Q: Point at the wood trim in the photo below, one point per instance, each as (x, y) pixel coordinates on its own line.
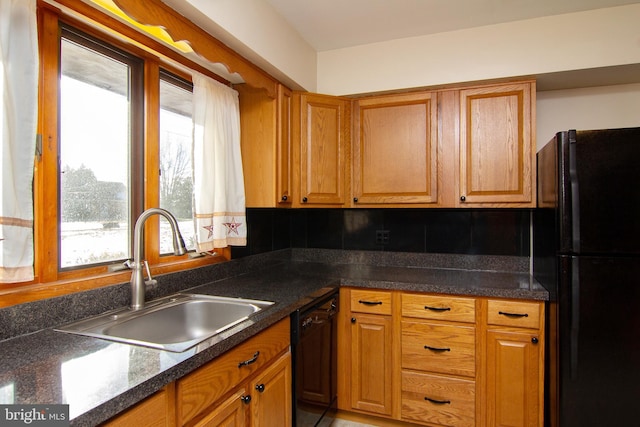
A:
(344, 350)
(24, 293)
(155, 12)
(151, 158)
(46, 213)
(284, 141)
(448, 148)
(396, 355)
(481, 362)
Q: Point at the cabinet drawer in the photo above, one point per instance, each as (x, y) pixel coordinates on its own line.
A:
(433, 307)
(203, 387)
(438, 399)
(439, 348)
(519, 314)
(374, 302)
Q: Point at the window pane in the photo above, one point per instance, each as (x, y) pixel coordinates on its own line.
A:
(176, 185)
(94, 157)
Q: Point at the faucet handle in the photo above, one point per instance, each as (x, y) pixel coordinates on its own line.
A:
(151, 281)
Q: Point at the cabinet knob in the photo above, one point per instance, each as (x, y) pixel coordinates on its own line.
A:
(246, 399)
(534, 340)
(355, 200)
(353, 320)
(284, 198)
(463, 198)
(260, 388)
(304, 200)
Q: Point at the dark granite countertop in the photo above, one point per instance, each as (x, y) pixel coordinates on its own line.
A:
(99, 378)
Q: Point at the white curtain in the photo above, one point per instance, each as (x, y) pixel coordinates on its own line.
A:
(219, 202)
(19, 109)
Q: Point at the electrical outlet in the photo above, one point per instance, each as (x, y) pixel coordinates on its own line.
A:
(382, 237)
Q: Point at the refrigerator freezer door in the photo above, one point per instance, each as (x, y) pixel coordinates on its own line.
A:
(600, 192)
(598, 357)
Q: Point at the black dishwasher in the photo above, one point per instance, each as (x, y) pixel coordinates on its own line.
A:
(314, 345)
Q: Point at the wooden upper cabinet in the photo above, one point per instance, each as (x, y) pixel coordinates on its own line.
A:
(323, 132)
(458, 147)
(395, 155)
(258, 145)
(265, 138)
(497, 145)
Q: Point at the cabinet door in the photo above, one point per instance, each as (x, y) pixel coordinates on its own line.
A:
(513, 379)
(496, 145)
(371, 360)
(324, 146)
(283, 165)
(271, 403)
(230, 413)
(395, 150)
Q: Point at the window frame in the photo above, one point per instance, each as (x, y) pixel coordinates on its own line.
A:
(136, 129)
(49, 280)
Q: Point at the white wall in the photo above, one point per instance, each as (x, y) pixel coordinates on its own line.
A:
(256, 31)
(602, 107)
(596, 38)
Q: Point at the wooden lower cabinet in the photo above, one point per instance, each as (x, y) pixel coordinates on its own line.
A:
(199, 392)
(264, 402)
(156, 410)
(441, 360)
(250, 385)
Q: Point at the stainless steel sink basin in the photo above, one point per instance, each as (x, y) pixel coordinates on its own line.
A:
(174, 323)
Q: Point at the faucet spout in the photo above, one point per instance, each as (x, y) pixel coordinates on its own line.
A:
(137, 279)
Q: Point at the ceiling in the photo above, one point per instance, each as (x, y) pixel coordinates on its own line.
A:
(334, 24)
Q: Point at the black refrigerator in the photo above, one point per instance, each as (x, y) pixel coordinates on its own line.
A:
(586, 252)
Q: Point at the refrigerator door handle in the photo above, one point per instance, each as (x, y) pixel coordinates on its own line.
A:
(575, 317)
(575, 192)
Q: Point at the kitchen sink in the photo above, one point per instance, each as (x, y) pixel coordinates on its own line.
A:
(175, 323)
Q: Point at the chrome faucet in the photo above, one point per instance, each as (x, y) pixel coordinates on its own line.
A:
(137, 279)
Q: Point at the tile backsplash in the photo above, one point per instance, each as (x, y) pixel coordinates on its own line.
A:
(451, 231)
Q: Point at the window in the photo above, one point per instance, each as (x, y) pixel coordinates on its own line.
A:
(98, 131)
(176, 137)
(116, 131)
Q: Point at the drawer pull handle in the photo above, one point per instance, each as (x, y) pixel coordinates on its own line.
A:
(260, 388)
(504, 313)
(245, 399)
(426, 307)
(437, 349)
(250, 361)
(370, 302)
(437, 402)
